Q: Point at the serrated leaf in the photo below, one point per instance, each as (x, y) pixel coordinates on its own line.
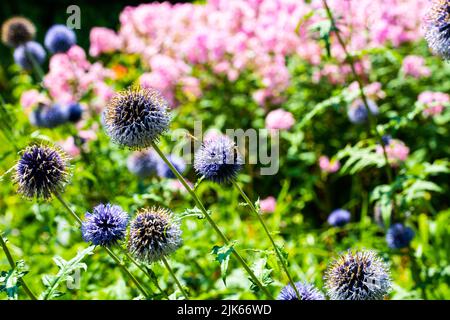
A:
(262, 271)
(222, 254)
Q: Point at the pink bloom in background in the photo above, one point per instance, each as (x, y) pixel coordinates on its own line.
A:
(279, 119)
(268, 204)
(32, 98)
(69, 147)
(435, 102)
(103, 40)
(415, 66)
(373, 91)
(176, 185)
(396, 151)
(329, 166)
(191, 87)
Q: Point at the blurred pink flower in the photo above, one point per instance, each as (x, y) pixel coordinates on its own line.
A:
(69, 147)
(415, 66)
(372, 91)
(434, 102)
(32, 98)
(396, 151)
(329, 166)
(268, 204)
(103, 40)
(279, 119)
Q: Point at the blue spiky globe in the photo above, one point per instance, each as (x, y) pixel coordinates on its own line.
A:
(359, 275)
(143, 163)
(399, 236)
(307, 292)
(357, 112)
(25, 53)
(437, 28)
(136, 118)
(105, 226)
(41, 171)
(59, 39)
(153, 234)
(218, 160)
(339, 218)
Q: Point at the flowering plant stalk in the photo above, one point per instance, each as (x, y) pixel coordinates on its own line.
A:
(11, 263)
(210, 220)
(266, 230)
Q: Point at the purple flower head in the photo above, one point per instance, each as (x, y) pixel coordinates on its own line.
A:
(218, 160)
(437, 28)
(399, 236)
(17, 31)
(59, 39)
(105, 226)
(339, 218)
(74, 112)
(306, 291)
(24, 54)
(357, 112)
(143, 163)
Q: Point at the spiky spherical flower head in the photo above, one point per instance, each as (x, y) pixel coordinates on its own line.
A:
(153, 234)
(359, 275)
(105, 226)
(218, 160)
(339, 218)
(437, 28)
(17, 31)
(74, 112)
(357, 112)
(399, 236)
(25, 53)
(164, 170)
(143, 163)
(307, 292)
(59, 39)
(136, 117)
(52, 116)
(42, 171)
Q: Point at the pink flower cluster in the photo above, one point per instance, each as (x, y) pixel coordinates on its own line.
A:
(329, 166)
(279, 119)
(434, 102)
(71, 76)
(31, 98)
(268, 205)
(231, 36)
(396, 151)
(415, 66)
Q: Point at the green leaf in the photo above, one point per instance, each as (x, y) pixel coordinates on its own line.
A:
(10, 280)
(262, 271)
(223, 257)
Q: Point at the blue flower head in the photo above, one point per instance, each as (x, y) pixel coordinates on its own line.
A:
(359, 275)
(25, 53)
(357, 112)
(339, 218)
(218, 160)
(41, 171)
(164, 170)
(136, 118)
(74, 112)
(399, 236)
(437, 28)
(52, 116)
(105, 226)
(59, 39)
(153, 234)
(306, 291)
(143, 163)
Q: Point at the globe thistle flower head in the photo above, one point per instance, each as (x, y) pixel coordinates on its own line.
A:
(136, 117)
(41, 171)
(143, 163)
(218, 160)
(105, 226)
(153, 235)
(306, 291)
(437, 28)
(339, 218)
(23, 53)
(59, 39)
(386, 139)
(164, 170)
(52, 116)
(17, 31)
(399, 236)
(359, 275)
(74, 112)
(357, 112)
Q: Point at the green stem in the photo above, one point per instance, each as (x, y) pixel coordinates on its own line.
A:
(13, 265)
(36, 67)
(211, 221)
(112, 255)
(166, 264)
(277, 251)
(350, 59)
